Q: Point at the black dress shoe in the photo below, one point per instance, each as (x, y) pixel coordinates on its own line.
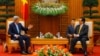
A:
(23, 52)
(85, 54)
(28, 52)
(72, 52)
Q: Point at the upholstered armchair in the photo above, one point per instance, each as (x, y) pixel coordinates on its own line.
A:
(11, 44)
(89, 43)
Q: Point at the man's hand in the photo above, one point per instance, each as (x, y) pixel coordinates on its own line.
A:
(16, 35)
(69, 35)
(30, 26)
(76, 35)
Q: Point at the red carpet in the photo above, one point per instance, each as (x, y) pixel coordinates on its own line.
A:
(96, 52)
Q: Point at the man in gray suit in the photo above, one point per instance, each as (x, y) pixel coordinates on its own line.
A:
(80, 34)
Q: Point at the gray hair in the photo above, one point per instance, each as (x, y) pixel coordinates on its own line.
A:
(16, 17)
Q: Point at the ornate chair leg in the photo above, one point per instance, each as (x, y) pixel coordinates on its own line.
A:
(90, 50)
(9, 49)
(4, 47)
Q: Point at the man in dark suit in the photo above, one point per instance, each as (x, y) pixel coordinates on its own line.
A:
(15, 29)
(70, 30)
(81, 34)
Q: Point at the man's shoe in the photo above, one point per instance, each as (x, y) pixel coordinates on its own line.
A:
(72, 52)
(23, 52)
(85, 54)
(28, 52)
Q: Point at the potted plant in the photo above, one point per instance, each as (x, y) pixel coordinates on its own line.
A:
(2, 26)
(7, 4)
(52, 51)
(97, 27)
(90, 4)
(48, 35)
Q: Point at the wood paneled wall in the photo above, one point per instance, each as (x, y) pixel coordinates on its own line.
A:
(75, 8)
(75, 11)
(18, 7)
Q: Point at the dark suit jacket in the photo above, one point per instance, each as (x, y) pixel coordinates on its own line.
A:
(83, 32)
(12, 30)
(70, 29)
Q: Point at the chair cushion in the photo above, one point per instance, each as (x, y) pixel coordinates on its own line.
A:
(87, 42)
(15, 41)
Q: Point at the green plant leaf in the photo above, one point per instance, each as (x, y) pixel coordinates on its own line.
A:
(95, 22)
(88, 11)
(97, 28)
(51, 9)
(2, 27)
(7, 15)
(92, 17)
(90, 3)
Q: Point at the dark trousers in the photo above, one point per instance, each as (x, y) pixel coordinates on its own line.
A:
(24, 46)
(83, 42)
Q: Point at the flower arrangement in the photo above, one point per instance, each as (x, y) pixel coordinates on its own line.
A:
(52, 9)
(48, 35)
(52, 51)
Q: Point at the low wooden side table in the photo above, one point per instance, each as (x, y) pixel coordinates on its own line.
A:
(62, 41)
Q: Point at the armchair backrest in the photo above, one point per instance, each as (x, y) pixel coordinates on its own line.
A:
(90, 25)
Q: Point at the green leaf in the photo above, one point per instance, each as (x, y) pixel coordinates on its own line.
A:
(90, 3)
(97, 28)
(92, 17)
(7, 2)
(88, 11)
(95, 22)
(10, 10)
(7, 15)
(2, 27)
(45, 9)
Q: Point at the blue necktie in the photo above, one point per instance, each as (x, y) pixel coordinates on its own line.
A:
(17, 28)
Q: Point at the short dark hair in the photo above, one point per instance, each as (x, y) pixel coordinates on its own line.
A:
(83, 19)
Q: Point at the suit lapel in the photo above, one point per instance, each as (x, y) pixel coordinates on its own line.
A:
(78, 29)
(82, 28)
(15, 27)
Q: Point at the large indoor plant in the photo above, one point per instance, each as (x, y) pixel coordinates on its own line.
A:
(90, 13)
(49, 8)
(7, 9)
(52, 51)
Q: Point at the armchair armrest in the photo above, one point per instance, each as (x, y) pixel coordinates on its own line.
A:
(28, 35)
(9, 35)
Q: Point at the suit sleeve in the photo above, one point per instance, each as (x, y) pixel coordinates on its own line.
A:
(76, 29)
(23, 28)
(67, 31)
(85, 31)
(10, 31)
